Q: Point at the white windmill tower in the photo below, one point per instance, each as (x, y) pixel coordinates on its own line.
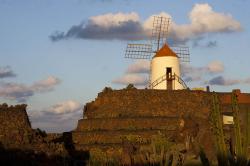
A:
(165, 61)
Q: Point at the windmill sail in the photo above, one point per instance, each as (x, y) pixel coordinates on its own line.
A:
(139, 51)
(158, 39)
(159, 31)
(182, 53)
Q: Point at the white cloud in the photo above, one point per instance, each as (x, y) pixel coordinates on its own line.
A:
(148, 24)
(128, 26)
(220, 80)
(135, 79)
(21, 92)
(15, 91)
(135, 74)
(191, 73)
(204, 20)
(122, 26)
(192, 78)
(6, 72)
(247, 81)
(46, 85)
(60, 117)
(65, 107)
(114, 20)
(140, 66)
(199, 42)
(215, 67)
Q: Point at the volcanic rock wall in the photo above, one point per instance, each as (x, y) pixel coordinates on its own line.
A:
(181, 115)
(116, 115)
(14, 124)
(119, 116)
(148, 103)
(16, 132)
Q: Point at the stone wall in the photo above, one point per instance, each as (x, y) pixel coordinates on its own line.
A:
(148, 103)
(16, 133)
(138, 123)
(118, 116)
(181, 115)
(14, 124)
(141, 114)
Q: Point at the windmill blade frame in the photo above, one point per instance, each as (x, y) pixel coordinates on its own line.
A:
(139, 51)
(159, 31)
(182, 52)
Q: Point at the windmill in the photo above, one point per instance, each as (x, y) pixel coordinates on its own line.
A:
(165, 61)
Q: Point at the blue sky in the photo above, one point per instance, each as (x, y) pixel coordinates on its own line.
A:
(56, 78)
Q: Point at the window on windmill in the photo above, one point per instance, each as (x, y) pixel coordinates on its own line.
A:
(228, 118)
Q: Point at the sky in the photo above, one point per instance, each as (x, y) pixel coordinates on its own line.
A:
(57, 55)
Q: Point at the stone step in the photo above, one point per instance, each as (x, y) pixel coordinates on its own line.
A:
(117, 136)
(132, 123)
(114, 146)
(144, 102)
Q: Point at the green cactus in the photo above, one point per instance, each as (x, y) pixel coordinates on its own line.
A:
(237, 131)
(240, 139)
(217, 124)
(248, 128)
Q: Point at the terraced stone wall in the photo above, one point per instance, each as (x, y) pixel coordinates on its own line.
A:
(148, 103)
(14, 124)
(181, 115)
(16, 133)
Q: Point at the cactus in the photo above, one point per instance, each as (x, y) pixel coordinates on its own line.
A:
(160, 152)
(217, 125)
(237, 131)
(240, 140)
(248, 128)
(239, 157)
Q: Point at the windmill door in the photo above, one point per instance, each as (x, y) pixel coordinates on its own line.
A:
(169, 78)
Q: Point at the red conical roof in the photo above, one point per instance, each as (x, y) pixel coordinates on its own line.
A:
(165, 51)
